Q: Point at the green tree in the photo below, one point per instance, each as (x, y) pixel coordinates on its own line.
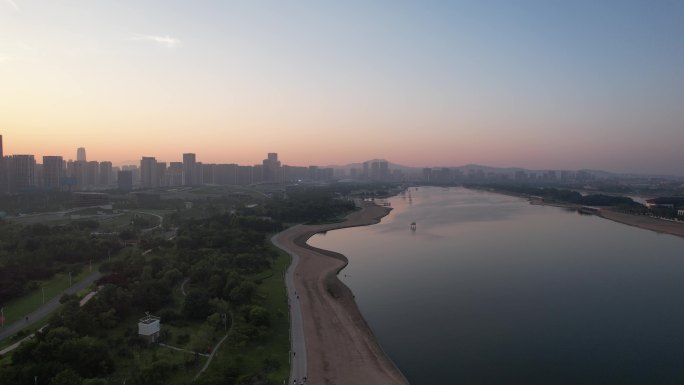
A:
(259, 316)
(242, 293)
(66, 377)
(88, 356)
(94, 381)
(196, 305)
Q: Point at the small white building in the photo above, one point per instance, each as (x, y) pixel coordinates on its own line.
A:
(149, 327)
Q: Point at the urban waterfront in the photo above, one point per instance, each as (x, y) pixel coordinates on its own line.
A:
(492, 290)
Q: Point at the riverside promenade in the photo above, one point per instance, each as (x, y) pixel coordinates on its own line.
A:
(332, 343)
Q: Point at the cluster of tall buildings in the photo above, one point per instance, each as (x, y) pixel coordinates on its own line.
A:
(474, 174)
(190, 172)
(23, 173)
(20, 173)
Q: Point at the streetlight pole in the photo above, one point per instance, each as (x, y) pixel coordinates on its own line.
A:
(42, 288)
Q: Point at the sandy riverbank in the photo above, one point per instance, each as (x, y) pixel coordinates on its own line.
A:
(640, 221)
(645, 222)
(341, 348)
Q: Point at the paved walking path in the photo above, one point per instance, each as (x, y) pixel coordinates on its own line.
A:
(46, 309)
(340, 346)
(297, 342)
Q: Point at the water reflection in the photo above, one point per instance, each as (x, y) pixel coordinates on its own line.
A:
(493, 290)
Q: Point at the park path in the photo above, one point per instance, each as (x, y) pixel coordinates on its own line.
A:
(326, 324)
(45, 310)
(183, 287)
(215, 349)
(182, 350)
(297, 341)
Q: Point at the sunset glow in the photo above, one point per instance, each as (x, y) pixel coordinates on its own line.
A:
(422, 84)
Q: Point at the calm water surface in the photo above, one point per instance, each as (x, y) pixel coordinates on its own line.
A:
(492, 290)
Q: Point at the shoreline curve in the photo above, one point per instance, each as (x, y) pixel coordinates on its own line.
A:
(340, 345)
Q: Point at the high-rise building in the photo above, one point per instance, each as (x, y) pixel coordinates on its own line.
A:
(148, 172)
(21, 170)
(198, 175)
(81, 154)
(53, 172)
(162, 177)
(135, 171)
(257, 173)
(92, 173)
(295, 173)
(38, 175)
(271, 168)
(244, 175)
(189, 169)
(326, 174)
(427, 174)
(226, 174)
(77, 171)
(125, 180)
(3, 170)
(106, 175)
(313, 173)
(208, 173)
(175, 172)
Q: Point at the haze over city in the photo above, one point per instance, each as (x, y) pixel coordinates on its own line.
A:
(535, 84)
(341, 192)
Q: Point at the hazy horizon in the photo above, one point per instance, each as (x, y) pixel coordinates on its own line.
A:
(532, 84)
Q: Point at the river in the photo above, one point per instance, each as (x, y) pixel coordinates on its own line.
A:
(492, 290)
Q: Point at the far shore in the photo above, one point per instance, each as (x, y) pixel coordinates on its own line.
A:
(340, 346)
(641, 221)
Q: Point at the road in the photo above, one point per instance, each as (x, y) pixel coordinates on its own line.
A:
(46, 309)
(297, 342)
(159, 226)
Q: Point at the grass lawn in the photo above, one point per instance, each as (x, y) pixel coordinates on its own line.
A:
(115, 222)
(17, 308)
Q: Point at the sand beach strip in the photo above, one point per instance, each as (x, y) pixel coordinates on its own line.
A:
(645, 222)
(340, 346)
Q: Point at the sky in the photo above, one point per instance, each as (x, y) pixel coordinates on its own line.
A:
(545, 84)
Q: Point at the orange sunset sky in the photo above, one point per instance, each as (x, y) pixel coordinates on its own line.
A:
(420, 84)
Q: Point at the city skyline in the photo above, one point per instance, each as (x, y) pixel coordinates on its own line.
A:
(24, 173)
(180, 159)
(429, 84)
